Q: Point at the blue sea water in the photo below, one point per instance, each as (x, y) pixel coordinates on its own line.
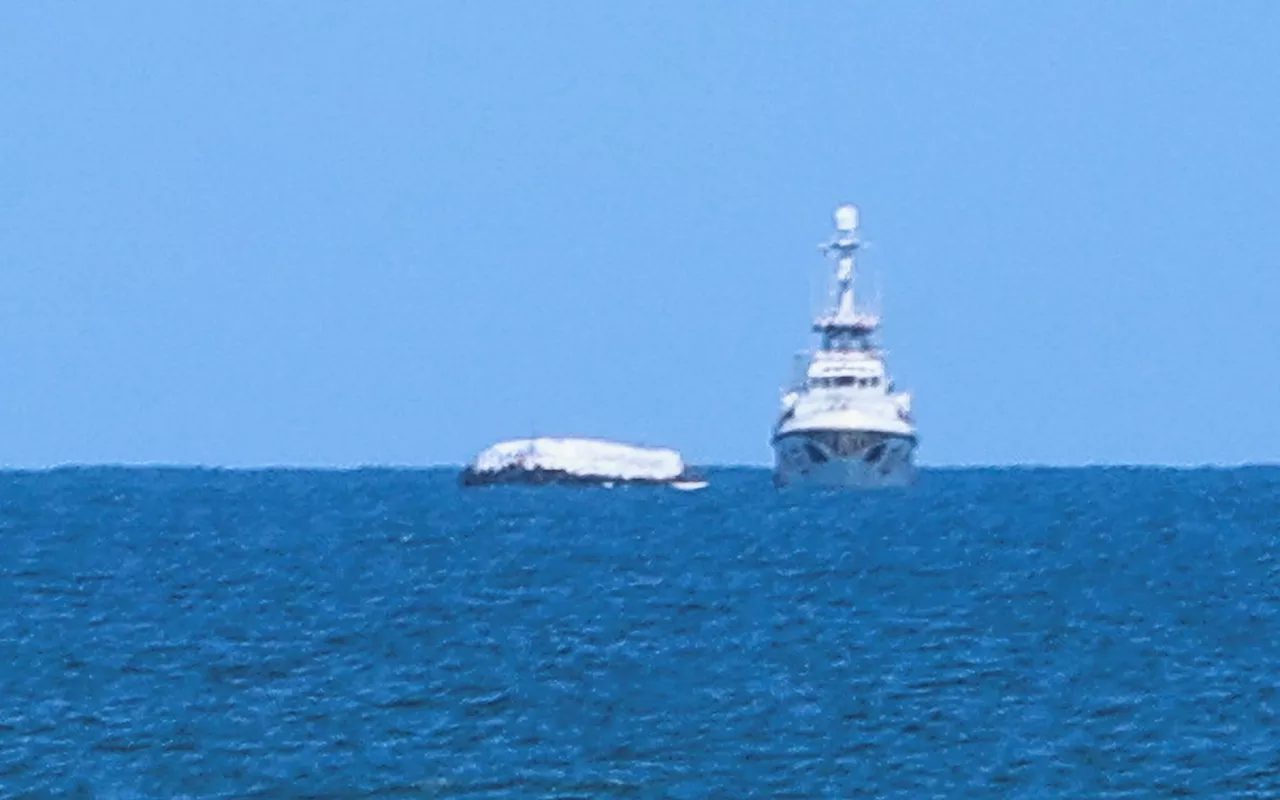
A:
(383, 633)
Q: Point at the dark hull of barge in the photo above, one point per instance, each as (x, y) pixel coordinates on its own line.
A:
(520, 476)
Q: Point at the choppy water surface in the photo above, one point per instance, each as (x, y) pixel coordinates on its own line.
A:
(1025, 633)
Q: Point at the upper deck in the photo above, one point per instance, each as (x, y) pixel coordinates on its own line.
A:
(857, 323)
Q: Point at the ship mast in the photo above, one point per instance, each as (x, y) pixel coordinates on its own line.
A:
(844, 326)
(843, 247)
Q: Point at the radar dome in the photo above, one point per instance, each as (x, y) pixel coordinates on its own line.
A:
(847, 218)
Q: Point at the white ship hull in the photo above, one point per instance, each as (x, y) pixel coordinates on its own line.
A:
(847, 460)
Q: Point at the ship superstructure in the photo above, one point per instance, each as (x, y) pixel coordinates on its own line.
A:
(842, 423)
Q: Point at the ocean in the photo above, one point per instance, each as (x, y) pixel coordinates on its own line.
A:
(1030, 633)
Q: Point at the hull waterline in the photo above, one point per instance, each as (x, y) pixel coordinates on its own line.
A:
(877, 461)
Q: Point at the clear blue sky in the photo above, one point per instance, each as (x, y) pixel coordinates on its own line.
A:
(391, 233)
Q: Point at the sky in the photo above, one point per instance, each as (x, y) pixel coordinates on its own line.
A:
(340, 234)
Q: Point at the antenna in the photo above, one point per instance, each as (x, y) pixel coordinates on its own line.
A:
(842, 248)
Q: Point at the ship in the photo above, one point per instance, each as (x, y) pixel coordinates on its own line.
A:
(843, 424)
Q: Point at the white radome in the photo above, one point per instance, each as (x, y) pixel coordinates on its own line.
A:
(846, 218)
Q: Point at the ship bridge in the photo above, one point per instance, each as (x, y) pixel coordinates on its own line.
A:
(846, 368)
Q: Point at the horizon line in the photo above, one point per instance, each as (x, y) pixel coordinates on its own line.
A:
(372, 466)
